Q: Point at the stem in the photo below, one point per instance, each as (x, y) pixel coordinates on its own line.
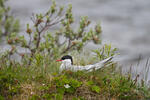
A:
(39, 37)
(68, 48)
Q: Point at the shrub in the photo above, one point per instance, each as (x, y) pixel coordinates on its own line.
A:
(42, 41)
(8, 24)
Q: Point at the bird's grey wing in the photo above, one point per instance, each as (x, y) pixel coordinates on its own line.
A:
(91, 67)
(81, 68)
(100, 64)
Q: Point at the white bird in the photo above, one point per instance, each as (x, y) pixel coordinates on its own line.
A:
(67, 64)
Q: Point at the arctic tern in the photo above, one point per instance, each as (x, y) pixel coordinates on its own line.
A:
(67, 64)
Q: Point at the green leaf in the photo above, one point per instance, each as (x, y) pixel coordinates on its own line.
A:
(75, 83)
(59, 97)
(95, 89)
(70, 90)
(1, 98)
(89, 83)
(61, 90)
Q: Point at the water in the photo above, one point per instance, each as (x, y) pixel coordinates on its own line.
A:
(125, 23)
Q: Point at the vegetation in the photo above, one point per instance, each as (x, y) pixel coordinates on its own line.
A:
(36, 83)
(44, 42)
(36, 76)
(8, 24)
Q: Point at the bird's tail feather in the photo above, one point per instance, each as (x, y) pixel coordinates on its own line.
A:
(107, 60)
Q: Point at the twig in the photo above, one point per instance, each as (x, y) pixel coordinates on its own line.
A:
(68, 48)
(29, 41)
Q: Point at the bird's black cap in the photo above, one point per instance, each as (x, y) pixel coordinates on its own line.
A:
(67, 57)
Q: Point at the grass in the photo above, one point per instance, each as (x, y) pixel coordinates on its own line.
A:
(43, 82)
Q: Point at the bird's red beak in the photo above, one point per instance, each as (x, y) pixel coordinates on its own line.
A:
(58, 60)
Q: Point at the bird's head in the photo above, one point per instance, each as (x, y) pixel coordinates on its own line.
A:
(66, 59)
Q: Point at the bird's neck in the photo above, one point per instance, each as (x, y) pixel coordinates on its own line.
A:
(65, 66)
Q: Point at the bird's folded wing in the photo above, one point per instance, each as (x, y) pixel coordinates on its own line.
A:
(100, 64)
(91, 67)
(81, 68)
